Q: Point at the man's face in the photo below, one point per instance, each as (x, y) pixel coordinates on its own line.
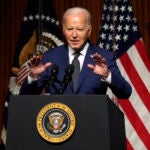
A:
(76, 30)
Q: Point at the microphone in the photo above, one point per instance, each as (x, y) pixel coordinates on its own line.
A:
(53, 76)
(67, 78)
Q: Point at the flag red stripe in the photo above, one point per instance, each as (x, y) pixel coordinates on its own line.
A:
(136, 80)
(141, 50)
(135, 121)
(23, 73)
(22, 76)
(129, 146)
(22, 70)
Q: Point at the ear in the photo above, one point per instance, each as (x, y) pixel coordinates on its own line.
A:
(63, 29)
(89, 30)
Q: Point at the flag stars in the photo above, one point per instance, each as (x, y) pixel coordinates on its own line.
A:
(129, 8)
(103, 36)
(114, 18)
(121, 18)
(117, 37)
(101, 45)
(135, 28)
(110, 8)
(134, 19)
(111, 27)
(110, 37)
(57, 23)
(52, 20)
(105, 7)
(119, 28)
(47, 18)
(30, 17)
(122, 8)
(125, 37)
(107, 46)
(128, 18)
(43, 17)
(105, 27)
(127, 28)
(25, 18)
(116, 8)
(115, 47)
(108, 17)
(37, 17)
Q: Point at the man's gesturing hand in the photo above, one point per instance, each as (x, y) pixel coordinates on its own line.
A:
(100, 66)
(36, 67)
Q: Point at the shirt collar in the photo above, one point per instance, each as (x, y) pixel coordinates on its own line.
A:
(83, 51)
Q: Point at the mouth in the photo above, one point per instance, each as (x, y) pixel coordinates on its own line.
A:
(73, 42)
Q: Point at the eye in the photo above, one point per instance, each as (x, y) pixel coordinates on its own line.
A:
(80, 30)
(69, 29)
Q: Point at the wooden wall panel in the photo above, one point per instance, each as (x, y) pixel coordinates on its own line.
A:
(141, 10)
(12, 11)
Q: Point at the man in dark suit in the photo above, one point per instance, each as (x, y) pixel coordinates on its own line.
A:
(98, 69)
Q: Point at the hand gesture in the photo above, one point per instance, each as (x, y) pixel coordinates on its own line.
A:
(100, 66)
(36, 66)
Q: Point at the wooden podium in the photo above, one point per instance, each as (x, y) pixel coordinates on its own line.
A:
(99, 123)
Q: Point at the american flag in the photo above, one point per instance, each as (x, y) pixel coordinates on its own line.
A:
(119, 33)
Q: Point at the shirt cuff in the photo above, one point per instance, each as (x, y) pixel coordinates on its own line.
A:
(108, 79)
(30, 79)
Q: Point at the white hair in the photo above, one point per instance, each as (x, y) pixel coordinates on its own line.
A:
(77, 10)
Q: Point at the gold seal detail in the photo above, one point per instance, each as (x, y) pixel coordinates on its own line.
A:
(55, 122)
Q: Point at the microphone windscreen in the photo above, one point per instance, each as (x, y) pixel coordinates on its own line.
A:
(55, 69)
(70, 69)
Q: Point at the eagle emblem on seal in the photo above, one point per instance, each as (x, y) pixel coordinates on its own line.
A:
(56, 122)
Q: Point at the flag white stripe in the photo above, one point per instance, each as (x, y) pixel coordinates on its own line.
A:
(139, 66)
(23, 77)
(22, 71)
(132, 136)
(136, 102)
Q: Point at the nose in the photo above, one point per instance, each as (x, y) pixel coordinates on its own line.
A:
(74, 33)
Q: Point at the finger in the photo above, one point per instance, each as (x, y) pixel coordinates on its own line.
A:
(32, 61)
(35, 61)
(103, 60)
(91, 66)
(99, 59)
(47, 64)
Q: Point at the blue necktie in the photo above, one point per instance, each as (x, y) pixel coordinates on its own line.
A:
(76, 72)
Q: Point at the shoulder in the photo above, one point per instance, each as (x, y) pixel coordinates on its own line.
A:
(56, 50)
(55, 54)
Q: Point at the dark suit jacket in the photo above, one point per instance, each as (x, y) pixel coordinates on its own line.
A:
(88, 83)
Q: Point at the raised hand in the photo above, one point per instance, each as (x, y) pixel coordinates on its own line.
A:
(36, 66)
(100, 66)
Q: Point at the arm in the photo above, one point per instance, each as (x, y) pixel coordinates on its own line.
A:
(110, 73)
(36, 68)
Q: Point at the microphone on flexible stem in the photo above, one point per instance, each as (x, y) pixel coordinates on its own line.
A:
(53, 77)
(67, 78)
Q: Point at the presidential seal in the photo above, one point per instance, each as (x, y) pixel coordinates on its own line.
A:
(55, 122)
